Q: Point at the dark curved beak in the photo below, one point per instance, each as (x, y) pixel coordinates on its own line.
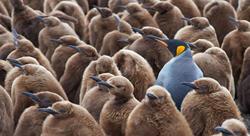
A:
(125, 41)
(99, 10)
(189, 84)
(151, 96)
(40, 18)
(48, 110)
(192, 46)
(96, 79)
(137, 30)
(155, 38)
(187, 19)
(223, 131)
(33, 97)
(104, 83)
(75, 48)
(233, 21)
(15, 62)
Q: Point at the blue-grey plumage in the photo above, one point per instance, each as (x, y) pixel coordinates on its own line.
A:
(179, 69)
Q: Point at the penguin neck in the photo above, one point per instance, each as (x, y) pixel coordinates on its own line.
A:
(186, 54)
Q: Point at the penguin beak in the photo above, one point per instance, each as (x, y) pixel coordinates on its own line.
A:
(17, 64)
(41, 18)
(124, 41)
(156, 38)
(137, 30)
(33, 97)
(104, 83)
(191, 85)
(187, 19)
(151, 96)
(100, 11)
(15, 37)
(48, 110)
(96, 79)
(224, 131)
(75, 48)
(233, 21)
(192, 46)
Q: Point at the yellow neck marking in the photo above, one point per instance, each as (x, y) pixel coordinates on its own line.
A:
(180, 49)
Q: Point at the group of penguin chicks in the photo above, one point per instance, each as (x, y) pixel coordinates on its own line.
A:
(124, 67)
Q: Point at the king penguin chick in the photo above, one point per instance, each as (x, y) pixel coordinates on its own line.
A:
(200, 28)
(5, 67)
(35, 78)
(31, 120)
(232, 127)
(138, 16)
(137, 70)
(63, 52)
(168, 17)
(104, 64)
(157, 116)
(172, 74)
(215, 63)
(243, 87)
(75, 66)
(54, 29)
(15, 72)
(117, 39)
(97, 96)
(68, 119)
(156, 53)
(100, 25)
(74, 10)
(235, 43)
(243, 10)
(115, 112)
(207, 106)
(25, 47)
(201, 45)
(6, 114)
(225, 10)
(25, 22)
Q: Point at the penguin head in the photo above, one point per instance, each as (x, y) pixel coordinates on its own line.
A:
(176, 47)
(101, 79)
(49, 21)
(232, 127)
(104, 12)
(62, 109)
(241, 25)
(120, 87)
(163, 7)
(67, 40)
(133, 8)
(157, 96)
(204, 85)
(86, 51)
(105, 64)
(43, 99)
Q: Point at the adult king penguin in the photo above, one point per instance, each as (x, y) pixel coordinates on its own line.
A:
(181, 68)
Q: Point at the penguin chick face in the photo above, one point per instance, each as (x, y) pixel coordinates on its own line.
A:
(157, 95)
(121, 87)
(163, 7)
(104, 12)
(206, 86)
(69, 40)
(232, 127)
(199, 22)
(50, 21)
(86, 51)
(62, 109)
(105, 64)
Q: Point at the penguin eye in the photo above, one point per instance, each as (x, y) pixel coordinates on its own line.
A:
(180, 49)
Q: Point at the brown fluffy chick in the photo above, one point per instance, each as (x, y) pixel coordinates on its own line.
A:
(115, 112)
(232, 127)
(63, 52)
(155, 52)
(75, 66)
(34, 78)
(138, 16)
(157, 115)
(25, 48)
(103, 64)
(235, 43)
(97, 96)
(137, 70)
(207, 106)
(199, 28)
(54, 29)
(68, 119)
(6, 114)
(31, 120)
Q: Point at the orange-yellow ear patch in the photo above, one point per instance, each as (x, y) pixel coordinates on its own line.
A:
(180, 49)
